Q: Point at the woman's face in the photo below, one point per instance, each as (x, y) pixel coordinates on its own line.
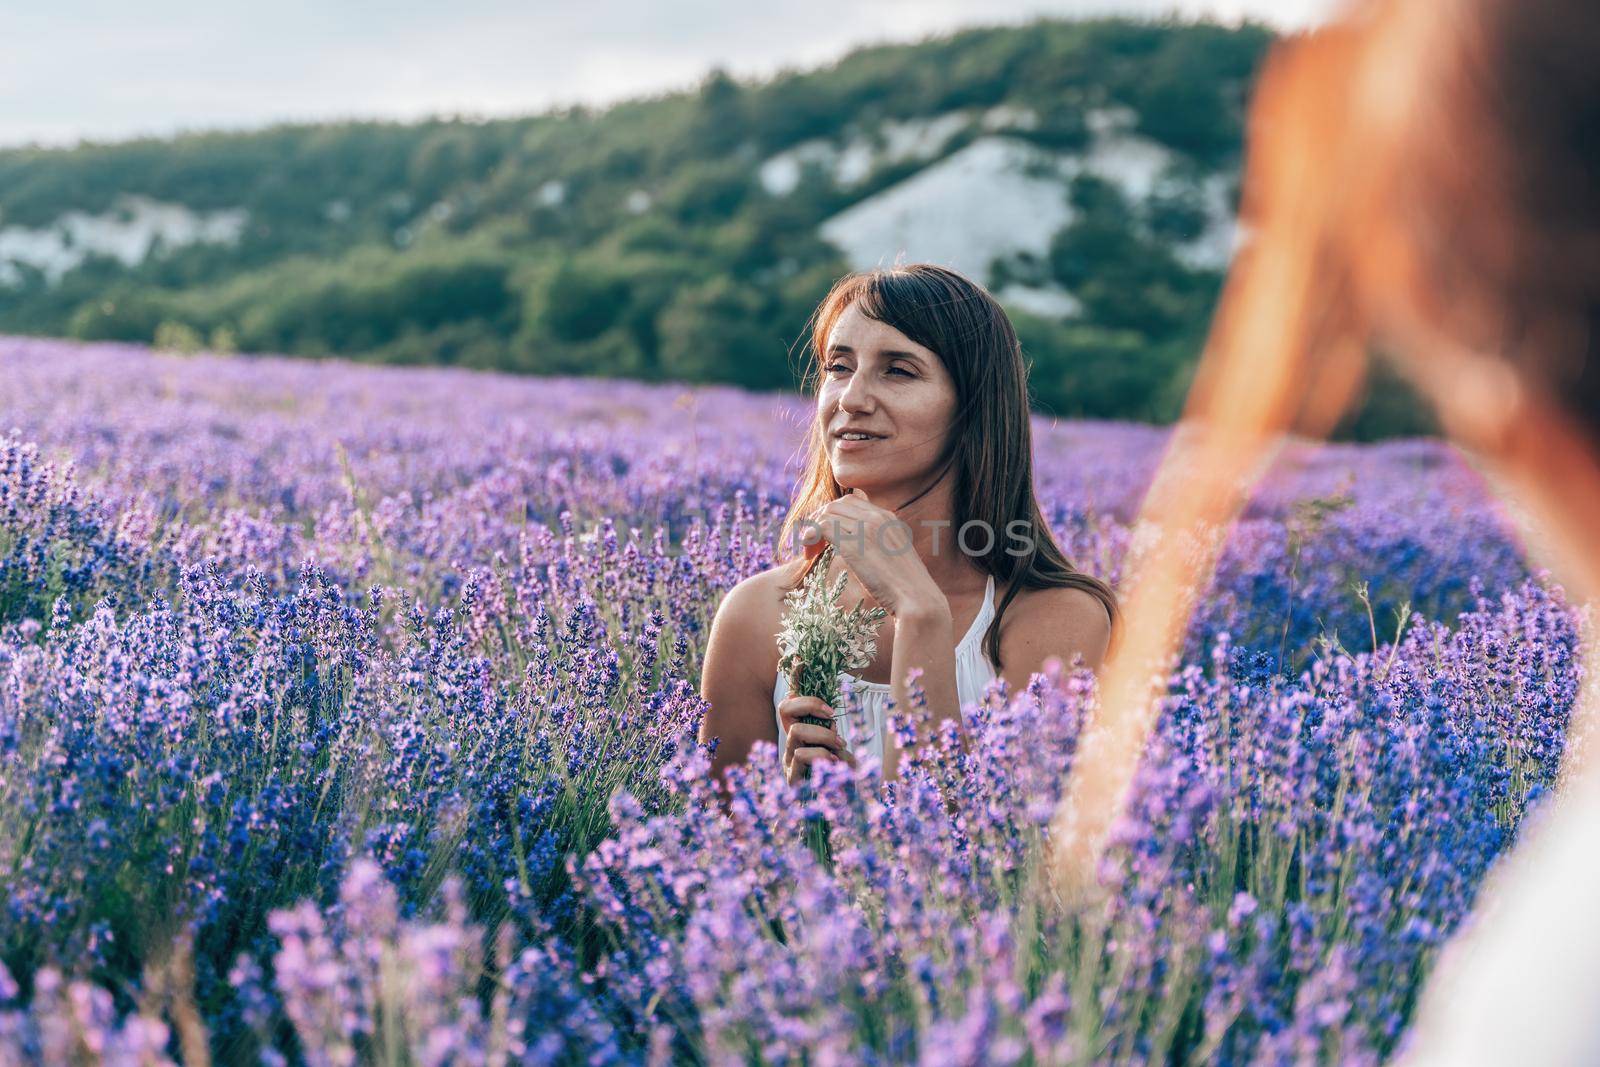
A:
(878, 381)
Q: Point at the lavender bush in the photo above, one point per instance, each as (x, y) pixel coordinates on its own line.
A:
(370, 694)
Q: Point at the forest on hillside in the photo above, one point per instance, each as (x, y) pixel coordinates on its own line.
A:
(639, 241)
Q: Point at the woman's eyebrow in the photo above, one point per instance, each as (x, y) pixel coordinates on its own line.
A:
(887, 353)
(895, 353)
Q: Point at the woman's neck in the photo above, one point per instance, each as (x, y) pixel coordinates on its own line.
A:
(935, 537)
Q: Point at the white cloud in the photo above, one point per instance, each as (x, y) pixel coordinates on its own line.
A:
(91, 68)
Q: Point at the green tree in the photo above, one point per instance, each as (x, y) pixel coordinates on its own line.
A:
(723, 330)
(580, 302)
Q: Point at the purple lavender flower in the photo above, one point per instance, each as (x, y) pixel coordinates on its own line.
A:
(389, 707)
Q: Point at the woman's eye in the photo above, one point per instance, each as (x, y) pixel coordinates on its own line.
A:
(845, 367)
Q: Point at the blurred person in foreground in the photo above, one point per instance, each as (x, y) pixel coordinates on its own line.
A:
(1421, 182)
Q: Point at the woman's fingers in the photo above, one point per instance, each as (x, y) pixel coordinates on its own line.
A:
(795, 770)
(807, 742)
(835, 521)
(803, 734)
(798, 761)
(791, 709)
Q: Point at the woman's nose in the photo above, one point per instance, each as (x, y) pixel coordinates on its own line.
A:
(857, 395)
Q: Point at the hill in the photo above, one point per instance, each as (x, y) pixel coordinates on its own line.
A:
(1086, 171)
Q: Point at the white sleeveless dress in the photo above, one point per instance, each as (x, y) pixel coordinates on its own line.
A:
(867, 733)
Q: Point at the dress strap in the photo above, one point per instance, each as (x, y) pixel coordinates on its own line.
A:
(980, 622)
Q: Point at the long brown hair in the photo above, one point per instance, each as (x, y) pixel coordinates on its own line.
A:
(989, 448)
(1420, 182)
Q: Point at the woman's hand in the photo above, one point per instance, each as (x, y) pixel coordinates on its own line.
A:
(875, 545)
(805, 743)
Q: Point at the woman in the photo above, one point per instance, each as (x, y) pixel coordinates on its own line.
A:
(1422, 179)
(920, 474)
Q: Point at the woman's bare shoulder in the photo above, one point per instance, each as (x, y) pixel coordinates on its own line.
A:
(738, 678)
(1059, 621)
(762, 593)
(751, 612)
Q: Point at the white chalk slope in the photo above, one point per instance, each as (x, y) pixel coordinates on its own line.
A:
(999, 197)
(128, 233)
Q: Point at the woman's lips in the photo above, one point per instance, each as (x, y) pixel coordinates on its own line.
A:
(846, 444)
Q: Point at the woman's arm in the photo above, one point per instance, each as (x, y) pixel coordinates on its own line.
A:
(740, 668)
(923, 638)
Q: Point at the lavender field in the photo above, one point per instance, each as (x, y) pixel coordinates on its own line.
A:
(348, 715)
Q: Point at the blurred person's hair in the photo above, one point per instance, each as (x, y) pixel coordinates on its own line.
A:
(989, 450)
(1428, 172)
(1420, 182)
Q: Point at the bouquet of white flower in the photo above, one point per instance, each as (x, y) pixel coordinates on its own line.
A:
(820, 639)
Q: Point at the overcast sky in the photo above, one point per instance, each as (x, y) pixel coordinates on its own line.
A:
(111, 69)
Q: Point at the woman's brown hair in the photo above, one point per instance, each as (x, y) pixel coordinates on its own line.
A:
(989, 449)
